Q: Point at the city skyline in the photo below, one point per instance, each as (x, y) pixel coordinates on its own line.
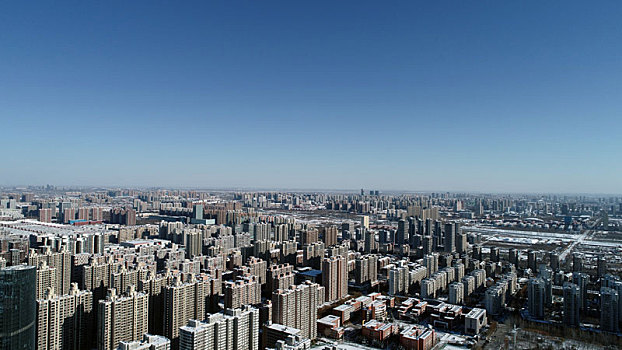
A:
(484, 97)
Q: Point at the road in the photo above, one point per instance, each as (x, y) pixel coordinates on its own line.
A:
(580, 240)
(588, 232)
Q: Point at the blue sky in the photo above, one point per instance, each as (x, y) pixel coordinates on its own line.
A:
(440, 95)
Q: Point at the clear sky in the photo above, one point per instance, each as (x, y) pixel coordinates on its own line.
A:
(437, 95)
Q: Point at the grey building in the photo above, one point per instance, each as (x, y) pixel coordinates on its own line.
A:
(17, 307)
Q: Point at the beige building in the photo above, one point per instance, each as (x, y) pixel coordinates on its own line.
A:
(65, 321)
(335, 277)
(296, 307)
(233, 329)
(122, 318)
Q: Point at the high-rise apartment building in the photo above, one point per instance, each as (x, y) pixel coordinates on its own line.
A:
(46, 279)
(45, 215)
(279, 276)
(183, 302)
(335, 277)
(366, 269)
(61, 261)
(456, 293)
(365, 222)
(609, 318)
(65, 321)
(123, 216)
(297, 307)
(149, 342)
(402, 235)
(233, 329)
(122, 318)
(245, 290)
(581, 280)
(572, 304)
(577, 262)
(399, 281)
(330, 235)
(449, 241)
(536, 297)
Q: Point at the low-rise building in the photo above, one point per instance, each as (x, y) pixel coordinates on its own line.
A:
(474, 321)
(418, 338)
(378, 331)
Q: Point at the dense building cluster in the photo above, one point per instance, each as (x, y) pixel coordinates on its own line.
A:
(171, 269)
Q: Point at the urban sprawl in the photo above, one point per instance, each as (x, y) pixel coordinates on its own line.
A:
(160, 269)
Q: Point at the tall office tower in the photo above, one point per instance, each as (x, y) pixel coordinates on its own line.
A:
(532, 260)
(536, 291)
(581, 280)
(572, 304)
(17, 307)
(197, 211)
(279, 276)
(330, 235)
(61, 261)
(577, 262)
(513, 256)
(450, 238)
(402, 235)
(366, 269)
(46, 278)
(233, 329)
(65, 321)
(609, 317)
(183, 302)
(456, 293)
(399, 281)
(297, 307)
(149, 342)
(121, 318)
(45, 215)
(430, 261)
(243, 291)
(601, 267)
(335, 277)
